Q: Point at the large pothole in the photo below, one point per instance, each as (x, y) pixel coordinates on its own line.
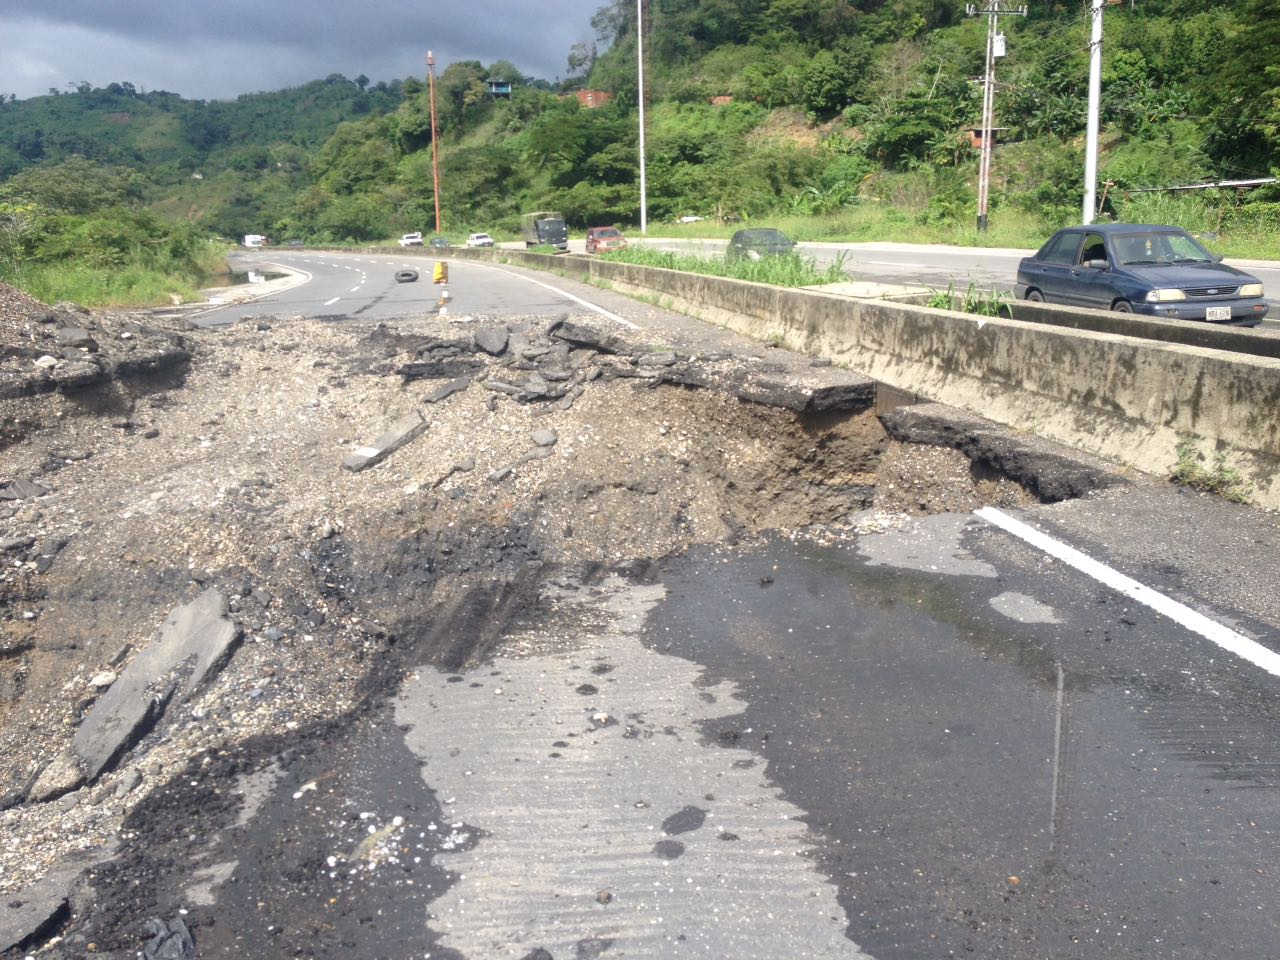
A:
(344, 582)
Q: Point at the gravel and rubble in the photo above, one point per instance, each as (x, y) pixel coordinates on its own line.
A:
(190, 462)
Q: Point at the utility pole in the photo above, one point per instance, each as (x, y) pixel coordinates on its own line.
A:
(1095, 97)
(435, 148)
(644, 199)
(993, 10)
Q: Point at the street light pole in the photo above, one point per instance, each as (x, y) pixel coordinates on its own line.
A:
(1091, 134)
(435, 149)
(644, 198)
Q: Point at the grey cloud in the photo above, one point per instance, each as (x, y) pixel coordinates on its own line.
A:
(209, 51)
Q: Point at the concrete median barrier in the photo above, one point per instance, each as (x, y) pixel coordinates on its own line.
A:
(1110, 391)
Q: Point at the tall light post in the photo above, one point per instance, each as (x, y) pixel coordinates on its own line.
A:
(644, 198)
(435, 149)
(644, 188)
(1091, 134)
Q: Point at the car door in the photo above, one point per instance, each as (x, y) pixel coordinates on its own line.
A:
(1050, 271)
(1093, 286)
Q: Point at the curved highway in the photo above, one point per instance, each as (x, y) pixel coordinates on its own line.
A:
(350, 285)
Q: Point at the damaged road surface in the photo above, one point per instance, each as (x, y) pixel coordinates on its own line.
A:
(545, 636)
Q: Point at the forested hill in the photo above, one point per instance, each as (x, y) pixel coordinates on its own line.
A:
(755, 107)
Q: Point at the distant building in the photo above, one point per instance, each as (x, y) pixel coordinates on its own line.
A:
(500, 88)
(593, 98)
(974, 136)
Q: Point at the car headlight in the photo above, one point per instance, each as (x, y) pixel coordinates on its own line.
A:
(1165, 295)
(1251, 290)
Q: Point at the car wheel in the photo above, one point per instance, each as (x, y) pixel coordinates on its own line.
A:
(1035, 296)
(1122, 306)
(406, 276)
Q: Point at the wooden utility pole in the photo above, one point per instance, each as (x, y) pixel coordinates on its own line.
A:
(435, 147)
(993, 10)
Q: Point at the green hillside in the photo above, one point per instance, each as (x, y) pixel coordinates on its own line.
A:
(838, 118)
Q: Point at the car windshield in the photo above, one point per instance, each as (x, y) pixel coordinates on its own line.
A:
(1136, 249)
(762, 236)
(608, 232)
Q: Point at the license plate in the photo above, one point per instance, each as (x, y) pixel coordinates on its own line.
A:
(1217, 313)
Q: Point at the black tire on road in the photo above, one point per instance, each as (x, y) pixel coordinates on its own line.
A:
(1122, 306)
(1035, 295)
(406, 276)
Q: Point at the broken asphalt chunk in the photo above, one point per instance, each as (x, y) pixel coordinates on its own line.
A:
(438, 369)
(447, 390)
(196, 639)
(36, 912)
(492, 340)
(583, 334)
(22, 489)
(170, 940)
(403, 431)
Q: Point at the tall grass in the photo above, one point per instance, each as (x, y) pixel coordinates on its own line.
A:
(781, 271)
(130, 285)
(98, 287)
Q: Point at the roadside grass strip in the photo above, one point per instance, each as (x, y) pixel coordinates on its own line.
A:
(1196, 622)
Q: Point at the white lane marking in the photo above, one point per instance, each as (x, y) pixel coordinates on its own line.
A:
(329, 303)
(565, 293)
(1179, 613)
(355, 288)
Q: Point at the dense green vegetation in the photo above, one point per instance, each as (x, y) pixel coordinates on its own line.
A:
(78, 231)
(835, 119)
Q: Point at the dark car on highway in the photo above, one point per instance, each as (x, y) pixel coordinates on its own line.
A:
(757, 242)
(1140, 268)
(438, 242)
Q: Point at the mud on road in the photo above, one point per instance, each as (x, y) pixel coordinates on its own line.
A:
(146, 464)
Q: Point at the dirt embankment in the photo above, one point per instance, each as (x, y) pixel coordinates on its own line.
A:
(142, 465)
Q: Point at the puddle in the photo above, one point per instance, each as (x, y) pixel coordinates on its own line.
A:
(237, 278)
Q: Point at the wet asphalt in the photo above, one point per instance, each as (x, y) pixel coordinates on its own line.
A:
(1072, 777)
(929, 743)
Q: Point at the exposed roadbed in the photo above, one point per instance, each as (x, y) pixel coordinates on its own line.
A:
(218, 544)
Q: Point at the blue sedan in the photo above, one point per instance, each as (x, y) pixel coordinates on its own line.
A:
(1138, 268)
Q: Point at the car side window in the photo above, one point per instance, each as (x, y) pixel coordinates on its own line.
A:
(1061, 249)
(1094, 248)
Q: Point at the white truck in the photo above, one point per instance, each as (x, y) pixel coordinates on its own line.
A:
(411, 240)
(254, 240)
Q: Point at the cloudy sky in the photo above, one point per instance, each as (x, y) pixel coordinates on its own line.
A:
(208, 51)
